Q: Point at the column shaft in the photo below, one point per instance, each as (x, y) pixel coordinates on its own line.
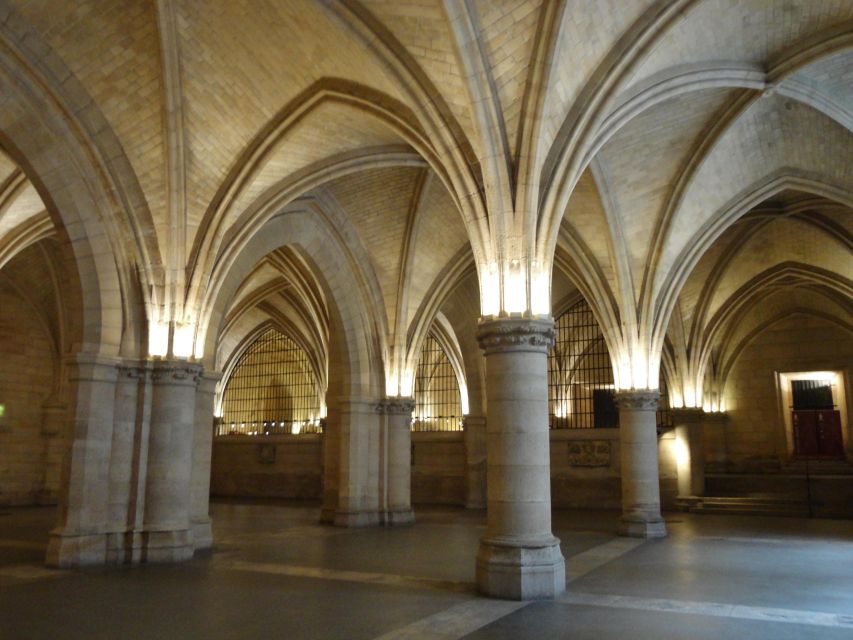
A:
(127, 477)
(398, 418)
(358, 463)
(79, 538)
(201, 459)
(168, 536)
(641, 516)
(519, 558)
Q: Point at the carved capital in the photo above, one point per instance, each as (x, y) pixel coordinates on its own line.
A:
(515, 334)
(133, 371)
(176, 372)
(396, 405)
(637, 400)
(687, 415)
(715, 417)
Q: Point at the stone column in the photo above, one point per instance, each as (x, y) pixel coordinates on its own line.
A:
(398, 430)
(127, 475)
(358, 463)
(641, 516)
(168, 536)
(475, 458)
(79, 538)
(201, 460)
(689, 453)
(519, 558)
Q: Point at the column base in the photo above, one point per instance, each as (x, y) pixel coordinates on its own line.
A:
(686, 503)
(354, 519)
(521, 570)
(124, 547)
(202, 534)
(399, 517)
(167, 546)
(642, 527)
(66, 551)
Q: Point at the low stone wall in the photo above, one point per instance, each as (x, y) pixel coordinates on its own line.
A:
(438, 468)
(269, 467)
(584, 468)
(828, 496)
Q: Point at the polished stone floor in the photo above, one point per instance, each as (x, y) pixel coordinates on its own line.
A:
(275, 573)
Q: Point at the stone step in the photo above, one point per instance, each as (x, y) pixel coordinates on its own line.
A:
(765, 506)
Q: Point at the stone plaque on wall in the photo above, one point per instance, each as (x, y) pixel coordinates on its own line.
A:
(589, 453)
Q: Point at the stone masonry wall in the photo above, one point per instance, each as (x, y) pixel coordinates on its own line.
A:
(26, 373)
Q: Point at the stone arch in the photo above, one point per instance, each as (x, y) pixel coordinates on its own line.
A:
(354, 345)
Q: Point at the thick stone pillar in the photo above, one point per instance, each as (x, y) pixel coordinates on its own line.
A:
(398, 473)
(689, 453)
(168, 534)
(358, 463)
(519, 558)
(201, 459)
(475, 459)
(638, 442)
(79, 538)
(128, 463)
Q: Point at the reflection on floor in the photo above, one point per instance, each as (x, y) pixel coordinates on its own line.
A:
(276, 573)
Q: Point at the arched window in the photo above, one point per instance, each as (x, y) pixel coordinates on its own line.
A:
(580, 375)
(272, 390)
(438, 403)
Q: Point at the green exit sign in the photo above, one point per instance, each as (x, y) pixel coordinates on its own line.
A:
(2, 410)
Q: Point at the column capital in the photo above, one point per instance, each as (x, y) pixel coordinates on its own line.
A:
(401, 405)
(637, 399)
(515, 334)
(473, 420)
(93, 367)
(134, 369)
(687, 415)
(176, 372)
(716, 417)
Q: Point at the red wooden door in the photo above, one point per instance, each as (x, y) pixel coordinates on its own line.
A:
(829, 439)
(805, 433)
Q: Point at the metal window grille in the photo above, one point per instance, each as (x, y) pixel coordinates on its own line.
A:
(272, 390)
(438, 405)
(580, 375)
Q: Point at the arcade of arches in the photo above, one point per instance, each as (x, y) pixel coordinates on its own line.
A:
(506, 255)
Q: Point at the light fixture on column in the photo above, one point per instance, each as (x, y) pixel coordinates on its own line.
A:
(158, 339)
(490, 289)
(515, 287)
(183, 340)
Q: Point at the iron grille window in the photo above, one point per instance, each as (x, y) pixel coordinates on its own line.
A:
(812, 395)
(438, 405)
(272, 390)
(580, 375)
